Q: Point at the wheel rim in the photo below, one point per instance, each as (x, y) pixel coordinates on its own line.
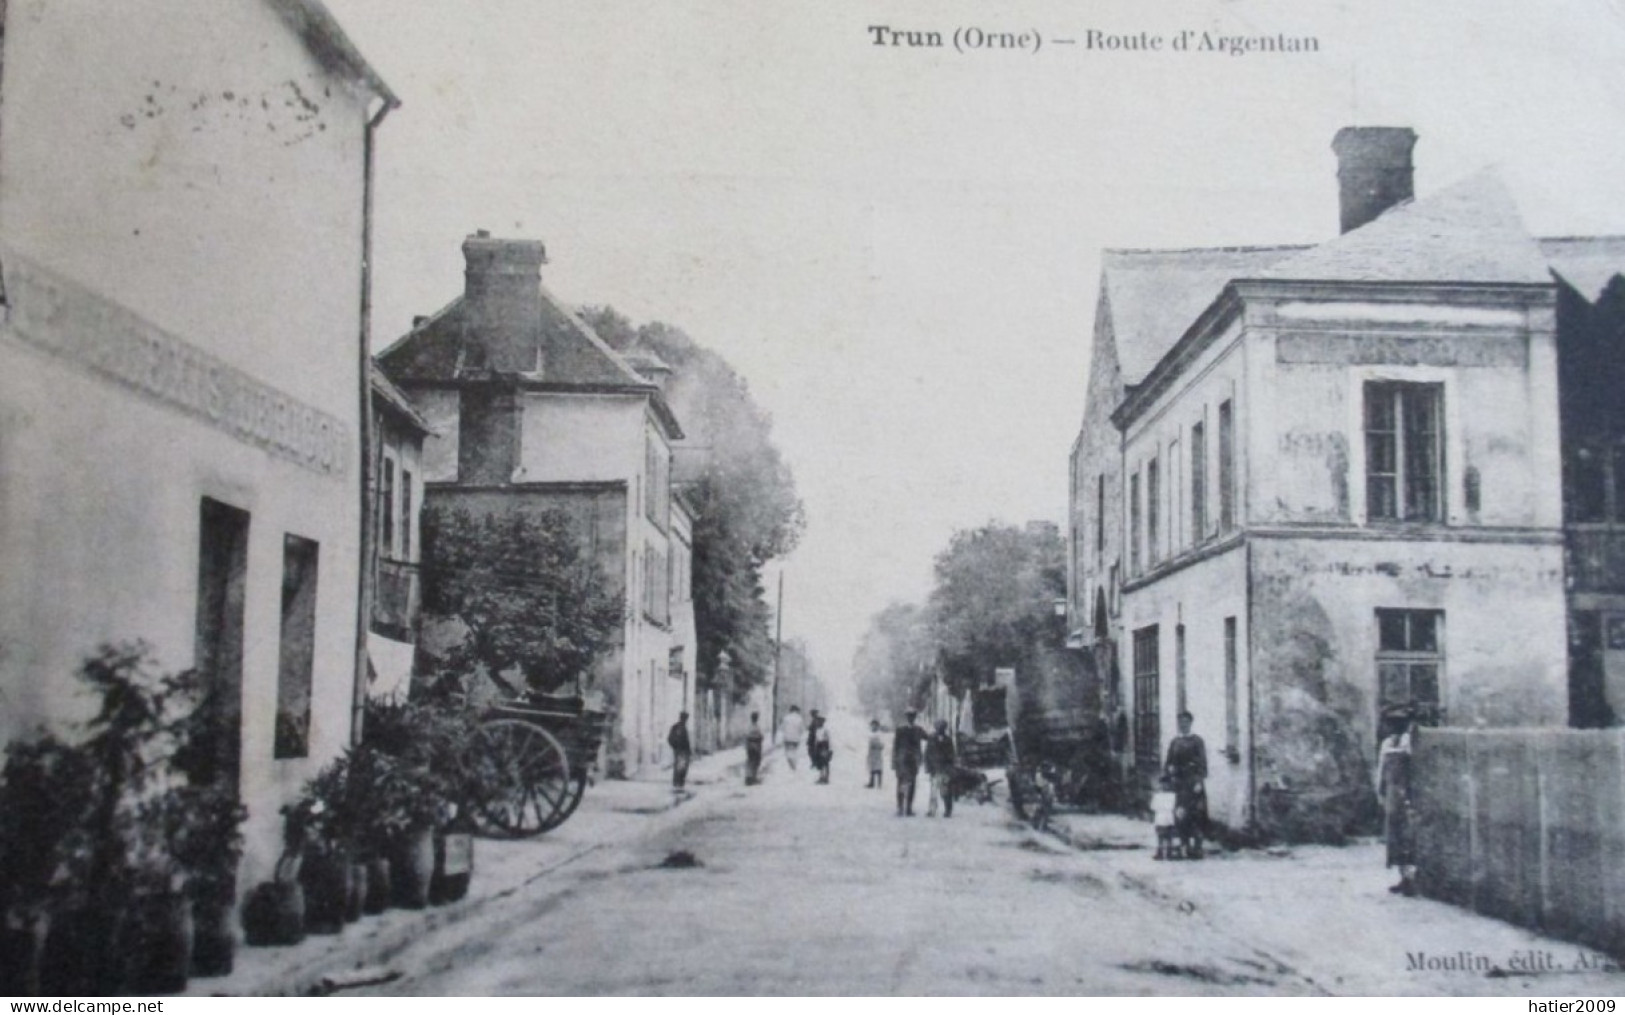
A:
(521, 778)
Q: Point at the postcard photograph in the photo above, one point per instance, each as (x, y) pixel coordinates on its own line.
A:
(522, 497)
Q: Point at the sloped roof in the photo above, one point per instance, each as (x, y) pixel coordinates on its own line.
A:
(1153, 296)
(325, 39)
(1588, 263)
(572, 353)
(1468, 232)
(395, 399)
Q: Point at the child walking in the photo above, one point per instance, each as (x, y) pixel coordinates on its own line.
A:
(1164, 816)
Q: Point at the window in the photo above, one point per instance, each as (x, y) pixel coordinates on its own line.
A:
(1227, 467)
(1404, 456)
(222, 581)
(1181, 699)
(1232, 706)
(1594, 484)
(386, 507)
(1151, 505)
(298, 648)
(406, 515)
(657, 488)
(1147, 700)
(1410, 656)
(1198, 483)
(1100, 517)
(1134, 524)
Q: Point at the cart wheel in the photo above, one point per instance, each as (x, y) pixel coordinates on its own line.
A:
(521, 779)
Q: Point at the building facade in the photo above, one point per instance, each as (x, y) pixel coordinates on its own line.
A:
(181, 366)
(395, 570)
(1339, 493)
(532, 412)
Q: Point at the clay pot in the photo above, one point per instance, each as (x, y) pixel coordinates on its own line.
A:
(376, 899)
(411, 868)
(158, 944)
(357, 896)
(214, 943)
(453, 867)
(326, 880)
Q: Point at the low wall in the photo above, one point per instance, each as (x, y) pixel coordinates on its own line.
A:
(1527, 826)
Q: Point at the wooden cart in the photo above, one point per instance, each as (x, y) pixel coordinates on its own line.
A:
(528, 764)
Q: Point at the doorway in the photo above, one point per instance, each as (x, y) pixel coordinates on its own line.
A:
(222, 582)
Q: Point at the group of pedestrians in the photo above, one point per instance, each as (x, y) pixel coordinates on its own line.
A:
(911, 748)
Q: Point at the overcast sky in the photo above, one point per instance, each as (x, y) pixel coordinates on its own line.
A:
(899, 247)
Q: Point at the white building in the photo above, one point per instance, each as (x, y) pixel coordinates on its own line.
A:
(183, 218)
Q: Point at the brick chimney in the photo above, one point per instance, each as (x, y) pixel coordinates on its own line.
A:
(1373, 171)
(502, 300)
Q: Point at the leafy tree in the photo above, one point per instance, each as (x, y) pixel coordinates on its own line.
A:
(893, 661)
(744, 496)
(994, 599)
(531, 601)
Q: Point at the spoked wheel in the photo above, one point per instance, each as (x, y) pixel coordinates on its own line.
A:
(522, 783)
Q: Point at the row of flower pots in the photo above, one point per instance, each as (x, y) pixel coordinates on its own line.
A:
(119, 848)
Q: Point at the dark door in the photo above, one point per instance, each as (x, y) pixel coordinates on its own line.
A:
(222, 578)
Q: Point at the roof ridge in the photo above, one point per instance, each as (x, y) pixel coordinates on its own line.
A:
(1231, 249)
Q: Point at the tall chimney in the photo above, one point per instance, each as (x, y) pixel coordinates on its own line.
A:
(1373, 171)
(502, 297)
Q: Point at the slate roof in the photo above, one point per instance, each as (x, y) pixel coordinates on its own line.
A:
(1154, 295)
(1468, 232)
(1588, 263)
(395, 399)
(573, 355)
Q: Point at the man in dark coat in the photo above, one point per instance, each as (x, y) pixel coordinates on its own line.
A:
(753, 750)
(907, 747)
(1186, 768)
(681, 750)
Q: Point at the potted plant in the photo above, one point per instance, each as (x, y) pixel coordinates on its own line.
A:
(45, 789)
(417, 790)
(319, 824)
(207, 841)
(372, 821)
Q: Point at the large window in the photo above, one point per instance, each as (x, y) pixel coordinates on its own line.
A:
(1152, 500)
(1198, 483)
(1410, 659)
(1232, 703)
(1227, 467)
(298, 648)
(1404, 454)
(386, 507)
(406, 514)
(1134, 524)
(1147, 700)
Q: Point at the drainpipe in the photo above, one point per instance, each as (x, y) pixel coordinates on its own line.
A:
(366, 548)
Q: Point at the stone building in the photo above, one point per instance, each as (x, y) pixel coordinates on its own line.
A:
(1330, 485)
(184, 215)
(1591, 376)
(533, 412)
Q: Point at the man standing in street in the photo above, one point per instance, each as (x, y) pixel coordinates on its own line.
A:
(790, 729)
(682, 751)
(939, 764)
(906, 748)
(753, 750)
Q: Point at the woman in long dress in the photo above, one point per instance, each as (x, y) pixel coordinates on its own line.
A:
(1394, 786)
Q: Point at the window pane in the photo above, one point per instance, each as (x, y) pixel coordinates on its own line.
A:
(1392, 686)
(1587, 496)
(1380, 497)
(1425, 684)
(1391, 631)
(1379, 407)
(1227, 465)
(1619, 483)
(1424, 631)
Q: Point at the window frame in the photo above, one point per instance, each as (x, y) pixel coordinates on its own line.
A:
(1198, 443)
(1400, 399)
(1411, 657)
(1147, 699)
